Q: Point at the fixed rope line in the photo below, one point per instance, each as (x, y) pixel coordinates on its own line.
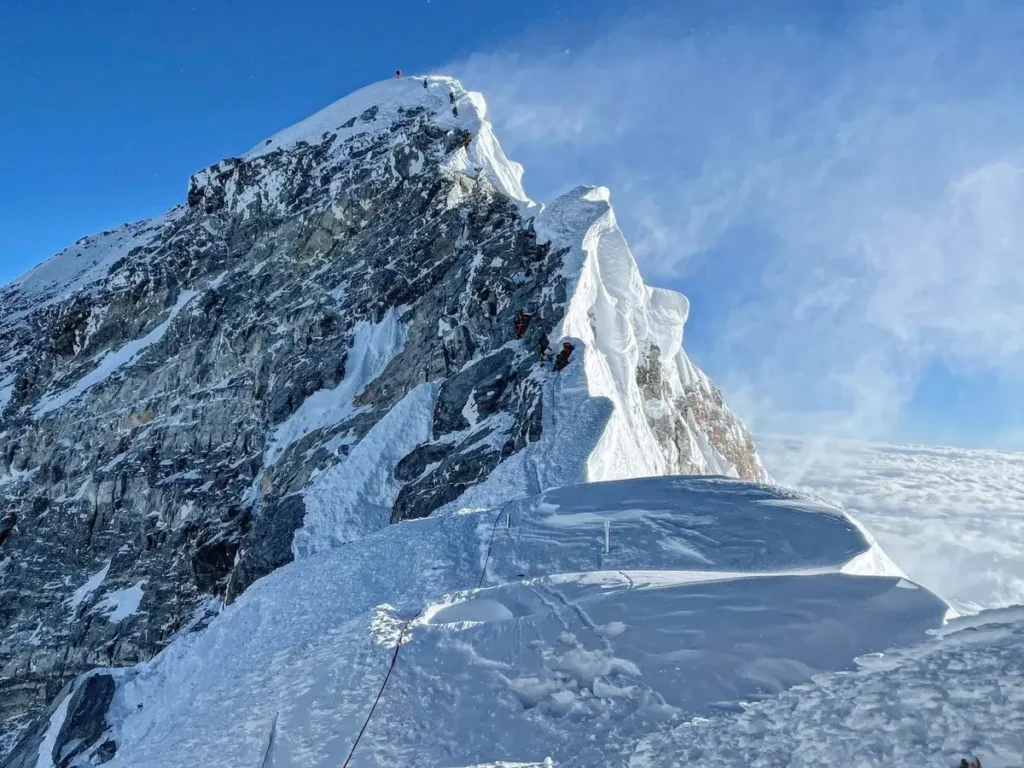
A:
(380, 693)
(405, 628)
(270, 741)
(490, 544)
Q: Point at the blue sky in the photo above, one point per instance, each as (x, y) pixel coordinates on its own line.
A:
(836, 186)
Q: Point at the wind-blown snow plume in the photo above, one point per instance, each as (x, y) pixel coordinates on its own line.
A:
(843, 198)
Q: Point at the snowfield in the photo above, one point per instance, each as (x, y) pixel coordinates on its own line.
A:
(961, 693)
(526, 639)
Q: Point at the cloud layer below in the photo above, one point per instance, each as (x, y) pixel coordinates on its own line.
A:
(840, 195)
(950, 518)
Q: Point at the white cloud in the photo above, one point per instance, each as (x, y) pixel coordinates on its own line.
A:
(862, 182)
(968, 501)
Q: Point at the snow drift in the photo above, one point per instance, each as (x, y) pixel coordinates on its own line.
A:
(712, 592)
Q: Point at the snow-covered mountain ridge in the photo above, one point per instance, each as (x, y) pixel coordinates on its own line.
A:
(316, 344)
(530, 632)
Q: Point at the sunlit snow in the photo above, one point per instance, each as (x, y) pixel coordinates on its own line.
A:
(118, 605)
(82, 594)
(565, 652)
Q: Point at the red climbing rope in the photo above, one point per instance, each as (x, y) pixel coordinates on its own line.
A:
(380, 693)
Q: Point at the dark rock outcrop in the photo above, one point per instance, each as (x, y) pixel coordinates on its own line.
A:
(162, 384)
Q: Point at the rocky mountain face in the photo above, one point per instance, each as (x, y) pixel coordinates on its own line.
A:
(318, 343)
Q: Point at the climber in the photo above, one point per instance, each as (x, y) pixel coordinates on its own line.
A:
(424, 83)
(398, 74)
(562, 359)
(543, 346)
(521, 321)
(455, 111)
(451, 97)
(467, 137)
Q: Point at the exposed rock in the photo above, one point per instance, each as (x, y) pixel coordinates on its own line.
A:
(174, 394)
(85, 723)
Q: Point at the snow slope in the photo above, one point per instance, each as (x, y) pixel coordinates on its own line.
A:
(355, 498)
(712, 592)
(81, 266)
(960, 693)
(952, 518)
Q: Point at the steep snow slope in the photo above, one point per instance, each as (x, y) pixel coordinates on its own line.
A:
(317, 344)
(80, 267)
(952, 518)
(959, 694)
(710, 593)
(634, 354)
(385, 103)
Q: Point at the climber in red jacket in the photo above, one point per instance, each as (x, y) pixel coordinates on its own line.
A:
(562, 358)
(521, 321)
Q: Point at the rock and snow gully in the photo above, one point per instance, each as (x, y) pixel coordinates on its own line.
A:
(209, 420)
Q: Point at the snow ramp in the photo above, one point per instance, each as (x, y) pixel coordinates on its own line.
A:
(704, 594)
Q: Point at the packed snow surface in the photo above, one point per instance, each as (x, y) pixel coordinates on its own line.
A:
(960, 693)
(952, 518)
(712, 592)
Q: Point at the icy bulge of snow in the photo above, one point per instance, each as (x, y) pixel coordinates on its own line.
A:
(707, 592)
